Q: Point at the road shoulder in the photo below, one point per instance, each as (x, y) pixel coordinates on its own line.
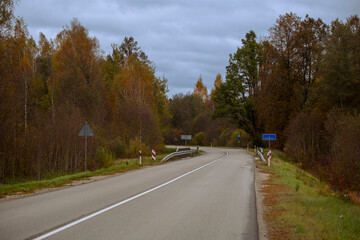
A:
(260, 179)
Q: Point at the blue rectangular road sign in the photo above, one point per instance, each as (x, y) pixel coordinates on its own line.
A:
(269, 137)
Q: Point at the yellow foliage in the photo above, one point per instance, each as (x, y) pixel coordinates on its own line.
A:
(200, 90)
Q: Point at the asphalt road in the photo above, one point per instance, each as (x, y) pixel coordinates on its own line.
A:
(208, 197)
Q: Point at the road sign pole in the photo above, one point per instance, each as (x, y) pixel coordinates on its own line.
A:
(86, 133)
(85, 150)
(186, 137)
(269, 137)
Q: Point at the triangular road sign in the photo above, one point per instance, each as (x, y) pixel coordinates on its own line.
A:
(86, 130)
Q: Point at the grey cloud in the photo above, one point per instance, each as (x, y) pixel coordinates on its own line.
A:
(184, 38)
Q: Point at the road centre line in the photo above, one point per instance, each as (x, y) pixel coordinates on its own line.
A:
(124, 201)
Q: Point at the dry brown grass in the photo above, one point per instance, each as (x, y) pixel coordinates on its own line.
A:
(277, 229)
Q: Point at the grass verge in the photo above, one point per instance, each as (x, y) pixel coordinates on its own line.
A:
(299, 206)
(120, 165)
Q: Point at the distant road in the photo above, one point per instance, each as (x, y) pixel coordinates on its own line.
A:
(207, 197)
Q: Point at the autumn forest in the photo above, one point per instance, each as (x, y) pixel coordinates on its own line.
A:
(302, 82)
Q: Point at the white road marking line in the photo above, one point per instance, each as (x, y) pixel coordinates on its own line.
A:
(122, 202)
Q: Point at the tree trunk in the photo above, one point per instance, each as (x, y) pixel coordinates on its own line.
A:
(52, 97)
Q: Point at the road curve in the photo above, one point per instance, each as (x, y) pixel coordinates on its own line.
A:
(207, 197)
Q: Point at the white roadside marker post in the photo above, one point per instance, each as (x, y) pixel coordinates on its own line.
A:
(153, 155)
(269, 157)
(140, 157)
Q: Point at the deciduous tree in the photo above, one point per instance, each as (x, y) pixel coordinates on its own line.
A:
(200, 90)
(235, 97)
(340, 80)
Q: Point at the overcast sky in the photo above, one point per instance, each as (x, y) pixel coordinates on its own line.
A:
(184, 38)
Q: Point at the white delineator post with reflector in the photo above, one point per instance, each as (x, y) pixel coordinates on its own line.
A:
(153, 155)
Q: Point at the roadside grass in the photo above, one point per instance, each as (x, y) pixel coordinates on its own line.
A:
(60, 180)
(299, 206)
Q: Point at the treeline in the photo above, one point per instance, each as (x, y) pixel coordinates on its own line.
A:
(50, 88)
(302, 83)
(192, 114)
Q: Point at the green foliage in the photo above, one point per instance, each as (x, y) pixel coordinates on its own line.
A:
(192, 114)
(230, 101)
(118, 147)
(330, 113)
(345, 152)
(291, 62)
(198, 139)
(134, 148)
(235, 97)
(50, 88)
(301, 83)
(304, 144)
(224, 137)
(115, 61)
(164, 150)
(339, 84)
(59, 180)
(105, 157)
(160, 98)
(327, 145)
(245, 139)
(307, 209)
(184, 109)
(243, 66)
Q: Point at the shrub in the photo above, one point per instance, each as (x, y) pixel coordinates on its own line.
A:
(160, 148)
(345, 152)
(244, 139)
(105, 157)
(304, 139)
(118, 148)
(328, 147)
(224, 137)
(198, 139)
(134, 148)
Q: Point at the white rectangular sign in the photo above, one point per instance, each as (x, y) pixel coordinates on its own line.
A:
(186, 137)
